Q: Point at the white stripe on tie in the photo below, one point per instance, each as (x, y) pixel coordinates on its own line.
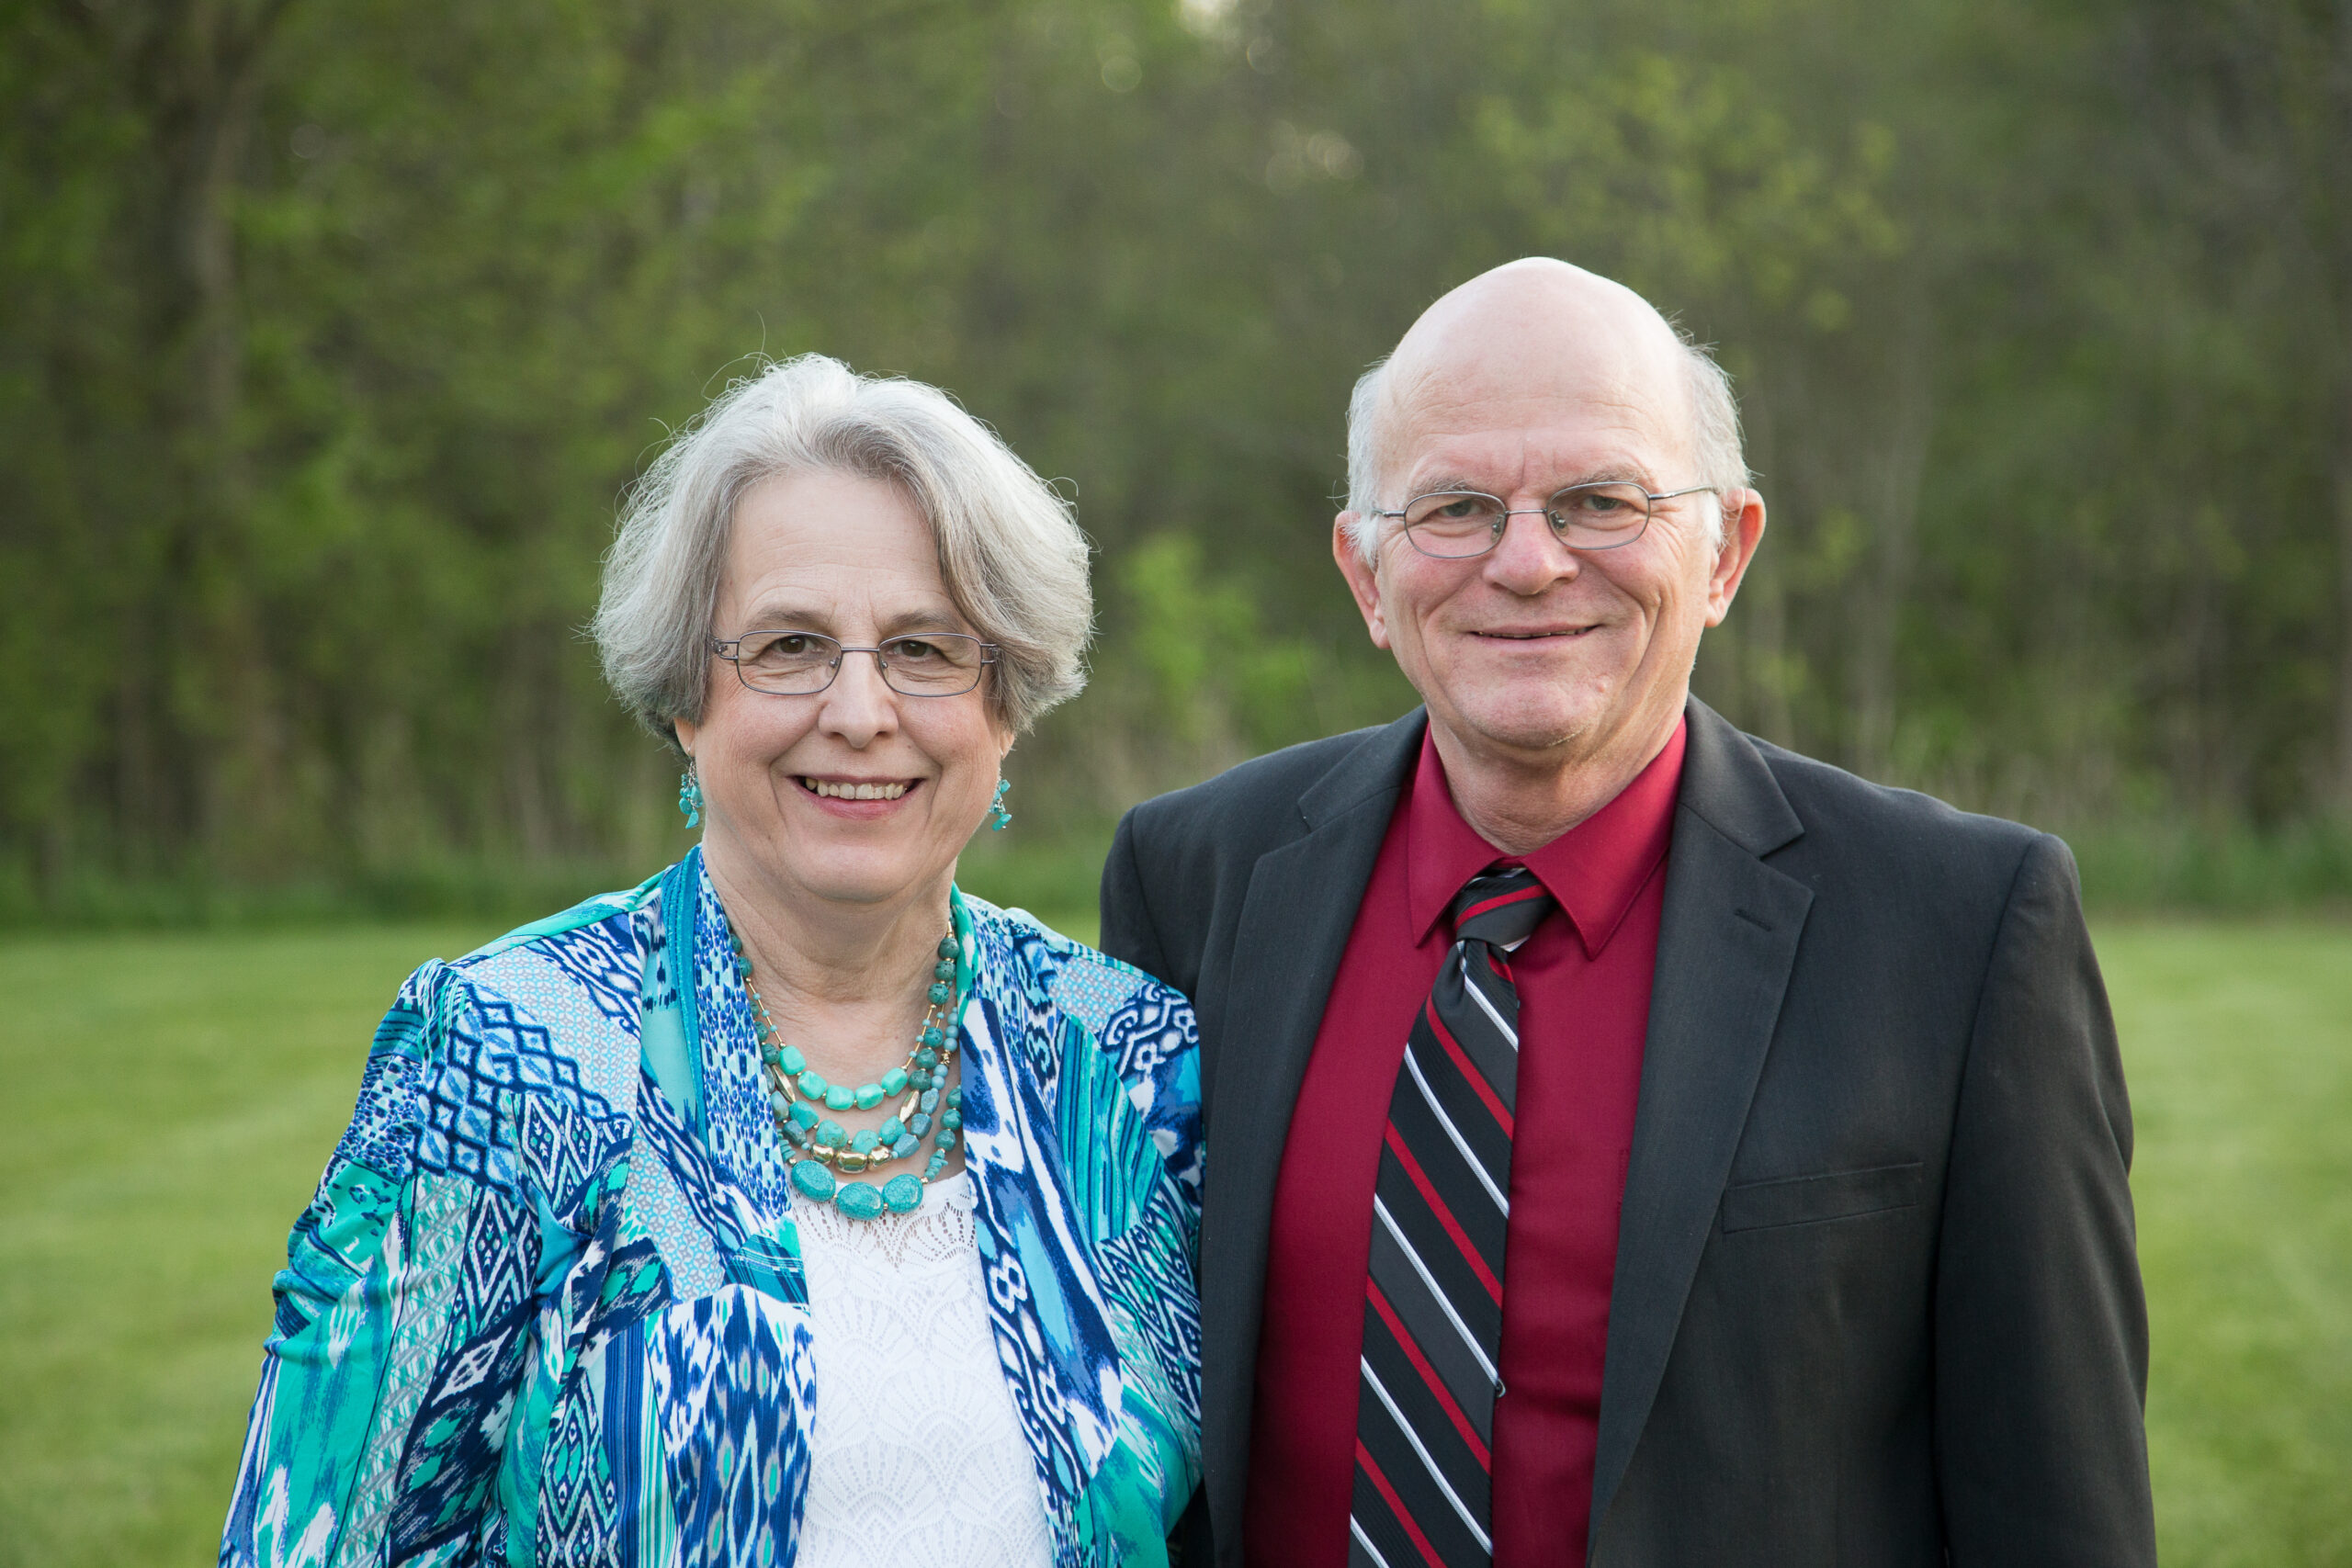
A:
(1447, 1122)
(1480, 997)
(1427, 1463)
(1414, 1259)
(1363, 1540)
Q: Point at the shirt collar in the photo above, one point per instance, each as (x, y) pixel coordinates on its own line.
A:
(1595, 869)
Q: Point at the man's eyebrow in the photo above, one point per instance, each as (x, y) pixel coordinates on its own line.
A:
(1600, 474)
(1444, 484)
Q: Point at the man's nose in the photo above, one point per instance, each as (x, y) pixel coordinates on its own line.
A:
(1530, 558)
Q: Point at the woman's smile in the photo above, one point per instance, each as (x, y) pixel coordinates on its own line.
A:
(860, 792)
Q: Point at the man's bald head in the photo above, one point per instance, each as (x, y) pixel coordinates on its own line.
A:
(1526, 321)
(1534, 328)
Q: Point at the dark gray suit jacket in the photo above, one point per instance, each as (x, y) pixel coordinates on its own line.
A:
(1876, 1299)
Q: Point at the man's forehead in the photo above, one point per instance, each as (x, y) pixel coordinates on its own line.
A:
(1483, 423)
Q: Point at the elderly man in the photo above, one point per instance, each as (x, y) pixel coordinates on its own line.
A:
(1628, 1141)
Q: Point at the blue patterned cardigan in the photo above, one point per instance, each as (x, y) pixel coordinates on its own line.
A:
(547, 1305)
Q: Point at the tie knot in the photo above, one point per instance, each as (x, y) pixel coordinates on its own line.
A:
(1501, 905)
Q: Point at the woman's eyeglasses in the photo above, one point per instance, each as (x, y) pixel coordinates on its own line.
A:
(800, 664)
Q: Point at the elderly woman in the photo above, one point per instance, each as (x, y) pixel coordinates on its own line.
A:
(796, 1207)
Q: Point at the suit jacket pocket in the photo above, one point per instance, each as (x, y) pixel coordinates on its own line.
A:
(1804, 1200)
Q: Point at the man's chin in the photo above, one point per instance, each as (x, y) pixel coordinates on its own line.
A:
(1540, 732)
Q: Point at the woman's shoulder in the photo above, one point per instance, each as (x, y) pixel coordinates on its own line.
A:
(559, 985)
(1082, 982)
(1117, 1042)
(604, 916)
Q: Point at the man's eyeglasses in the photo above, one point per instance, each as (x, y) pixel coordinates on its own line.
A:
(1453, 525)
(800, 664)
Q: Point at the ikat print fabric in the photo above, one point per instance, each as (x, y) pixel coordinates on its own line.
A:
(547, 1306)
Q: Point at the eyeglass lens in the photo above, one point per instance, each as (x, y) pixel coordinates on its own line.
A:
(1470, 523)
(791, 663)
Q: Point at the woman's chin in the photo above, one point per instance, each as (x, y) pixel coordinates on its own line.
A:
(870, 861)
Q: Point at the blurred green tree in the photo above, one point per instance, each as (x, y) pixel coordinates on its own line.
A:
(334, 335)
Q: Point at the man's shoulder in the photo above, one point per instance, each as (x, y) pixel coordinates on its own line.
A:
(1879, 829)
(1819, 790)
(1262, 793)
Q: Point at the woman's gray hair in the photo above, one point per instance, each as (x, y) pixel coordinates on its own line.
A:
(1714, 441)
(1011, 553)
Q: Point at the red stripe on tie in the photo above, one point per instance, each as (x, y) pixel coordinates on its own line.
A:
(1478, 1079)
(1396, 1507)
(1502, 900)
(1444, 1215)
(1429, 1375)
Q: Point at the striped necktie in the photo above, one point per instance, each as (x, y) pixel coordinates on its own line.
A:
(1433, 1296)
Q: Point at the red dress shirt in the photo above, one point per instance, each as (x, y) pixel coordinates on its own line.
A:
(1584, 990)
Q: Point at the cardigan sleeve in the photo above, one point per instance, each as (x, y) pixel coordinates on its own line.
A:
(403, 1313)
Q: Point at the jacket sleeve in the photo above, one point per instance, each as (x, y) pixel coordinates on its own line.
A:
(1129, 933)
(402, 1315)
(2041, 1333)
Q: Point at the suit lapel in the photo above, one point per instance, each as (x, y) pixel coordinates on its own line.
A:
(1726, 942)
(1294, 929)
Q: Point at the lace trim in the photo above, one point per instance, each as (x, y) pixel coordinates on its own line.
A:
(941, 1231)
(918, 1452)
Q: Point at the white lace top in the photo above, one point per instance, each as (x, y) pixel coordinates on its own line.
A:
(917, 1454)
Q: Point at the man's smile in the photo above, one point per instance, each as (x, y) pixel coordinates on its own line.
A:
(1544, 634)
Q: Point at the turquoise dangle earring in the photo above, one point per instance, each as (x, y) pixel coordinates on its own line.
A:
(690, 796)
(999, 817)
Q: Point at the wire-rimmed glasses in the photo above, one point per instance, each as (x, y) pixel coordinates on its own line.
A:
(1452, 525)
(800, 664)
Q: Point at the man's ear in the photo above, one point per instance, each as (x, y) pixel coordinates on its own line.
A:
(1364, 578)
(1743, 530)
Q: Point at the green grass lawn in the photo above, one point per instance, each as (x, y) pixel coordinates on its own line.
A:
(169, 1100)
(2238, 1041)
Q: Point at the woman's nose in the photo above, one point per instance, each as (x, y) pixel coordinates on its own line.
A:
(858, 705)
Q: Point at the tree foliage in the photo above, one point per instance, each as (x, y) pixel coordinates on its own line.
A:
(332, 336)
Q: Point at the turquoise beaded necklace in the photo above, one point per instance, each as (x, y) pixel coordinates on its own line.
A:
(816, 1146)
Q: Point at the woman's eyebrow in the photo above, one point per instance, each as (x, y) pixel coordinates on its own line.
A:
(789, 614)
(784, 615)
(931, 618)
